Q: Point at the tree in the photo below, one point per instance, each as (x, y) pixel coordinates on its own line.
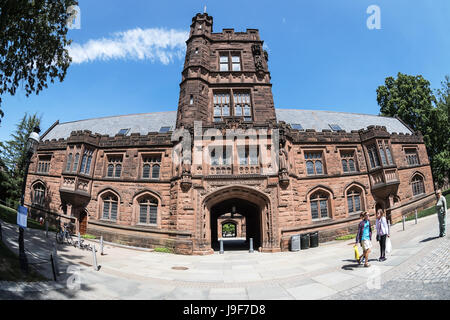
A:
(441, 159)
(13, 155)
(411, 99)
(33, 44)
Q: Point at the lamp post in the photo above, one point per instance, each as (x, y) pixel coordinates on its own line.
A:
(31, 147)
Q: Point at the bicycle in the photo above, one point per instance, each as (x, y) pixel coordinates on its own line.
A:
(64, 235)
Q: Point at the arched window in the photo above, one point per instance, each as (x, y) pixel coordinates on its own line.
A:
(319, 205)
(114, 169)
(86, 162)
(151, 165)
(345, 165)
(83, 162)
(110, 205)
(148, 210)
(417, 185)
(155, 171)
(351, 164)
(118, 170)
(146, 171)
(69, 162)
(38, 194)
(75, 162)
(110, 170)
(310, 167)
(319, 169)
(314, 164)
(354, 200)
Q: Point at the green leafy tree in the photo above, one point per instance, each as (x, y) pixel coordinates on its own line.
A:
(441, 158)
(229, 228)
(13, 156)
(33, 44)
(411, 99)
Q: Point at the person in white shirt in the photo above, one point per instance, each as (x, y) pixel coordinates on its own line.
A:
(441, 207)
(382, 232)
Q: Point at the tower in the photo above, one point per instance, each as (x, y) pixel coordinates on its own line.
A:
(225, 77)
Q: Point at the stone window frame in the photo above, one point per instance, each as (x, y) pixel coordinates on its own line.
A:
(109, 159)
(34, 187)
(136, 208)
(152, 164)
(229, 54)
(417, 185)
(101, 199)
(385, 152)
(86, 160)
(313, 160)
(373, 155)
(347, 159)
(355, 189)
(330, 203)
(415, 152)
(231, 101)
(43, 162)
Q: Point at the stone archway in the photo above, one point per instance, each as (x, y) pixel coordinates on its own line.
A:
(252, 204)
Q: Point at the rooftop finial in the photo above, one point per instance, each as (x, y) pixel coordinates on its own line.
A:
(204, 9)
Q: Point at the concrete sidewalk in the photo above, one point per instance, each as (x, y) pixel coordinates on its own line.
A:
(315, 273)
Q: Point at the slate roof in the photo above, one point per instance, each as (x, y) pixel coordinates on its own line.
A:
(152, 122)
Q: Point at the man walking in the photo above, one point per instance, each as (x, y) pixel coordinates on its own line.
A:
(364, 237)
(441, 207)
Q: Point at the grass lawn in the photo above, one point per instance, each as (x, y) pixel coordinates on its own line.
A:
(10, 267)
(347, 237)
(10, 215)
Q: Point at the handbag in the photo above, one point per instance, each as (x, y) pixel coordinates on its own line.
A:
(388, 245)
(378, 237)
(356, 252)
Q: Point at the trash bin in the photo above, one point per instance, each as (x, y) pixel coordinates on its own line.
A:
(314, 239)
(295, 242)
(304, 241)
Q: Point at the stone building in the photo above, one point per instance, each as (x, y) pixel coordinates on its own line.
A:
(168, 178)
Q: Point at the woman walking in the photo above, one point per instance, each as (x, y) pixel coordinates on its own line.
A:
(382, 232)
(364, 237)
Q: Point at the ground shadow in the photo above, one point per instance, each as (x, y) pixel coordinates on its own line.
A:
(232, 245)
(429, 239)
(354, 264)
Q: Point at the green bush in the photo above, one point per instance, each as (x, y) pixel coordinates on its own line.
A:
(88, 236)
(165, 250)
(347, 237)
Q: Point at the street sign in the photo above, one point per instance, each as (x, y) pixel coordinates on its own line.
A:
(22, 213)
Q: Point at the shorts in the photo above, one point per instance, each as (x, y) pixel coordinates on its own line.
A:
(366, 244)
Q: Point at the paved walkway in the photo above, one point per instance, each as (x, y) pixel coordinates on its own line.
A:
(326, 272)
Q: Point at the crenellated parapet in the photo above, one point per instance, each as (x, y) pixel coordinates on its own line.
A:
(106, 141)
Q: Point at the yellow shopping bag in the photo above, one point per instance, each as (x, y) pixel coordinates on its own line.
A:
(356, 252)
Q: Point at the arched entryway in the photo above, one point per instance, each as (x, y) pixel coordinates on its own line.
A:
(253, 205)
(252, 214)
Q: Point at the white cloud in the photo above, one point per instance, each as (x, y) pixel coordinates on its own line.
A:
(156, 44)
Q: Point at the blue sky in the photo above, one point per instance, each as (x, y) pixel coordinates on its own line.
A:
(321, 54)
